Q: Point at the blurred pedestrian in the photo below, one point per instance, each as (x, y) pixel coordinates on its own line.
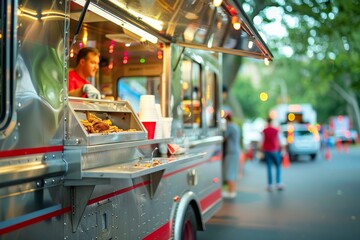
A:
(87, 64)
(232, 156)
(271, 146)
(224, 93)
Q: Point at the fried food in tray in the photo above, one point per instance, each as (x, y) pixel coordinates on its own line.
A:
(94, 124)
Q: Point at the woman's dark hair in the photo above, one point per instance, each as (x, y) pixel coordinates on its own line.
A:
(224, 89)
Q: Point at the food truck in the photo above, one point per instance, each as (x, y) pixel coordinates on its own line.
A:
(61, 180)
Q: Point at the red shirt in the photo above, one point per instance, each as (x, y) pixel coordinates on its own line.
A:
(75, 82)
(271, 140)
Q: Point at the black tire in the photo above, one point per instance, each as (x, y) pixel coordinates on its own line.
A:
(313, 157)
(189, 225)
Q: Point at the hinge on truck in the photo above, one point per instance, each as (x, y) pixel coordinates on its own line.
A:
(192, 177)
(154, 179)
(80, 196)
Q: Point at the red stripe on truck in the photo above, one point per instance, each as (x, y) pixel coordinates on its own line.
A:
(29, 151)
(162, 233)
(34, 220)
(118, 192)
(210, 199)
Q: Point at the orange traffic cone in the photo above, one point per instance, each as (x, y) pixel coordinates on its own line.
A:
(327, 154)
(285, 161)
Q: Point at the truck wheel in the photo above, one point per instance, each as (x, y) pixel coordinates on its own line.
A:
(189, 225)
(313, 157)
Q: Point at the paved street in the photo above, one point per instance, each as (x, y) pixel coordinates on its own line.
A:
(321, 201)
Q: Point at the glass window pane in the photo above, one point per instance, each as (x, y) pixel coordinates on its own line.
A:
(186, 92)
(196, 92)
(2, 79)
(190, 76)
(210, 99)
(131, 88)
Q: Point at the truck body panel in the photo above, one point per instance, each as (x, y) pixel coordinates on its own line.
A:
(59, 181)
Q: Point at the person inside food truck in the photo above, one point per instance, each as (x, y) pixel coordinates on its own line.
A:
(87, 64)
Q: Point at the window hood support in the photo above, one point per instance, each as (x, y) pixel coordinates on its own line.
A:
(79, 24)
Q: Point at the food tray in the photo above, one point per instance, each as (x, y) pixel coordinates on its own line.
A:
(119, 113)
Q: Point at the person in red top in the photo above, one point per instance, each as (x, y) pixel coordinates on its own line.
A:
(87, 64)
(271, 149)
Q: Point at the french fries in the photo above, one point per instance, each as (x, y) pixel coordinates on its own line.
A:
(94, 124)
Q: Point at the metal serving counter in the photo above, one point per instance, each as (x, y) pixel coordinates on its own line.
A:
(101, 133)
(95, 155)
(139, 168)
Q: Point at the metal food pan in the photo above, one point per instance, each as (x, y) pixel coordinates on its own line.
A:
(120, 113)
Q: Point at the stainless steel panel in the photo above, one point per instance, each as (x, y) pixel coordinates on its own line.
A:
(28, 204)
(196, 24)
(25, 169)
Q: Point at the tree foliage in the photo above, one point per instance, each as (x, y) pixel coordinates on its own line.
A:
(324, 67)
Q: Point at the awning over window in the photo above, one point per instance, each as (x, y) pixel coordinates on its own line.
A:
(192, 23)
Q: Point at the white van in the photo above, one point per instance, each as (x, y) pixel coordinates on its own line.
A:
(302, 139)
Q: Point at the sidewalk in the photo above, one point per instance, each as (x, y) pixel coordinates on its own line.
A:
(320, 201)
